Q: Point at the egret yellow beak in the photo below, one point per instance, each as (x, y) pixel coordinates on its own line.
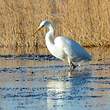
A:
(39, 28)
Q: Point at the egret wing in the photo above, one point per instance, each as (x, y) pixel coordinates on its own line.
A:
(72, 49)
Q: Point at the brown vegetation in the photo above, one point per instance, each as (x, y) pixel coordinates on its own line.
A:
(87, 21)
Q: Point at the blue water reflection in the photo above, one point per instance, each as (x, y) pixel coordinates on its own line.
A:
(87, 89)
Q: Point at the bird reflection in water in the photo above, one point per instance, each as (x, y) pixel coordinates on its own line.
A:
(64, 91)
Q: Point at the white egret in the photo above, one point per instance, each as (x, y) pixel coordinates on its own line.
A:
(63, 47)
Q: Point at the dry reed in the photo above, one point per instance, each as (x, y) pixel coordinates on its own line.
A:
(87, 21)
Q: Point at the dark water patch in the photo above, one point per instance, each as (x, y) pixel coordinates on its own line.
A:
(23, 92)
(13, 70)
(36, 57)
(28, 57)
(101, 67)
(36, 96)
(103, 89)
(74, 97)
(104, 64)
(100, 78)
(102, 82)
(36, 69)
(82, 97)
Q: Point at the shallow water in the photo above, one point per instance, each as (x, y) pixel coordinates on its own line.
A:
(31, 82)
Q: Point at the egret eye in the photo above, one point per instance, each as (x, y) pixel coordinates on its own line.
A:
(43, 25)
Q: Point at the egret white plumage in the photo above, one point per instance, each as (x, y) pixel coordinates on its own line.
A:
(63, 47)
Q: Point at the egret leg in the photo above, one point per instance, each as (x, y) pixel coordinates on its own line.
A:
(72, 65)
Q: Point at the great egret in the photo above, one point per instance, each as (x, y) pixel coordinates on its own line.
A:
(63, 47)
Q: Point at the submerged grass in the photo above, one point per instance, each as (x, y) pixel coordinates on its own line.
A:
(85, 21)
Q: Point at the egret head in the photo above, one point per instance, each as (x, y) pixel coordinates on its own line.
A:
(44, 23)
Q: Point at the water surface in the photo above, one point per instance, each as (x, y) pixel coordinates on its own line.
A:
(42, 82)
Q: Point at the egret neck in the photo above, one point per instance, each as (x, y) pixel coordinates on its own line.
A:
(49, 36)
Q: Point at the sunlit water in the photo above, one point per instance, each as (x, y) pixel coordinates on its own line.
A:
(31, 82)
